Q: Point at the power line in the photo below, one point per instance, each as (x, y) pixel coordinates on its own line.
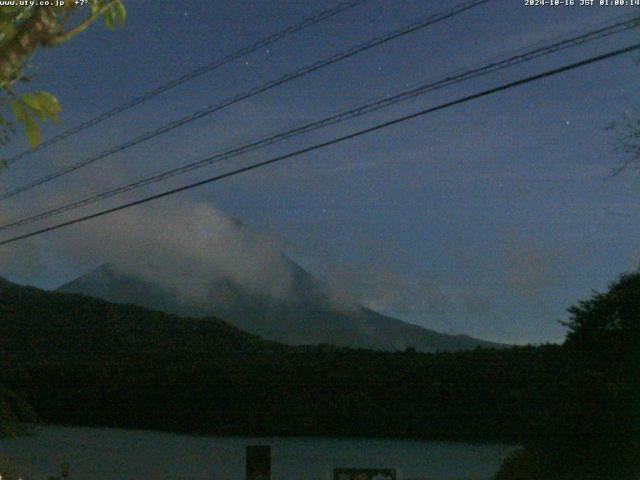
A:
(250, 93)
(214, 65)
(380, 126)
(358, 111)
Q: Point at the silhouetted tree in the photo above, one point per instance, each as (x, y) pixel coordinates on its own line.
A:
(592, 429)
(604, 331)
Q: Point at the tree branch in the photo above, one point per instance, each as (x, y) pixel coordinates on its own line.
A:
(64, 37)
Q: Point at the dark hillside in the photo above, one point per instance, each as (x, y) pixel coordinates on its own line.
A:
(37, 325)
(83, 361)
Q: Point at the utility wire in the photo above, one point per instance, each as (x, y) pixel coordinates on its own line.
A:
(214, 65)
(250, 93)
(337, 118)
(318, 146)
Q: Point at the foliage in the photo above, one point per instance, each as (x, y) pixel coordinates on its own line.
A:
(23, 29)
(39, 105)
(604, 331)
(593, 431)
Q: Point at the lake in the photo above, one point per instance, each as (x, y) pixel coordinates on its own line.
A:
(113, 454)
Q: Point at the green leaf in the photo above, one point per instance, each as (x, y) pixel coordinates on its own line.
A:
(50, 105)
(44, 105)
(33, 131)
(32, 100)
(49, 102)
(120, 12)
(115, 16)
(109, 19)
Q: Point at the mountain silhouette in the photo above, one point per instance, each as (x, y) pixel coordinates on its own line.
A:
(306, 316)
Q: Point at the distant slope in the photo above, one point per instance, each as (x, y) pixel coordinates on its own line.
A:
(37, 325)
(307, 317)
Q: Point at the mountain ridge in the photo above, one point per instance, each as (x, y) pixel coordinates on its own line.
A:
(306, 317)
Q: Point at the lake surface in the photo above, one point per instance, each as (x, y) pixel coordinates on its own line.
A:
(112, 454)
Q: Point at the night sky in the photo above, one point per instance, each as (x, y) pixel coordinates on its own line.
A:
(493, 216)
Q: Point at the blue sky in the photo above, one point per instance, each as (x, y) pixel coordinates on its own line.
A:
(489, 218)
